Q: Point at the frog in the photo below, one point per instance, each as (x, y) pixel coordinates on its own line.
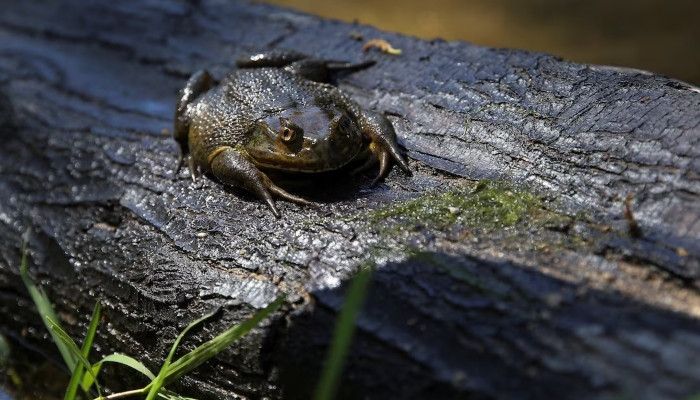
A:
(278, 113)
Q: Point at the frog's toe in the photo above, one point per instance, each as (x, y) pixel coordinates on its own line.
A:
(387, 156)
(261, 189)
(264, 194)
(191, 167)
(403, 164)
(194, 171)
(271, 205)
(283, 194)
(384, 167)
(386, 153)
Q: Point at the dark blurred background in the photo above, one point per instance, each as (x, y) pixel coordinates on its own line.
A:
(661, 36)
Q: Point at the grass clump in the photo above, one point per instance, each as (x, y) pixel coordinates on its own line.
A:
(84, 375)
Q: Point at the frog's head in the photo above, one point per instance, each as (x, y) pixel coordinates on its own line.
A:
(310, 139)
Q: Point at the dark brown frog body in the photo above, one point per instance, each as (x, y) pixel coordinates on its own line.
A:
(269, 118)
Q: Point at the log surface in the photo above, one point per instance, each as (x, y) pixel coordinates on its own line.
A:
(587, 307)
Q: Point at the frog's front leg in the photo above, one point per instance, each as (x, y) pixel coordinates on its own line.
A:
(384, 146)
(199, 83)
(233, 168)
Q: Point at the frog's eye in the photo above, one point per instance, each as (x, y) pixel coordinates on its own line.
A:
(289, 131)
(287, 134)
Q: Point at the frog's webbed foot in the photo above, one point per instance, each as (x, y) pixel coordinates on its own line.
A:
(283, 194)
(323, 70)
(384, 146)
(233, 168)
(300, 64)
(195, 173)
(273, 58)
(384, 158)
(373, 155)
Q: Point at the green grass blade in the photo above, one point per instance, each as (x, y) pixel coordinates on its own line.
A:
(182, 335)
(92, 330)
(158, 382)
(168, 395)
(342, 336)
(88, 380)
(77, 376)
(73, 348)
(43, 305)
(129, 362)
(207, 350)
(117, 359)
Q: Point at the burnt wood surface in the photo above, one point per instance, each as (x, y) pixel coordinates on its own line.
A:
(586, 305)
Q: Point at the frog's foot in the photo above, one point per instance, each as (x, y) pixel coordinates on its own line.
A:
(273, 58)
(194, 171)
(233, 168)
(300, 64)
(323, 70)
(386, 159)
(283, 58)
(377, 154)
(384, 147)
(283, 194)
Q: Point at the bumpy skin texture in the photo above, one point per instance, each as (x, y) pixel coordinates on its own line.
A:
(236, 130)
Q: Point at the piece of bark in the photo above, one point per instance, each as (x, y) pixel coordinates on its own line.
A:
(576, 307)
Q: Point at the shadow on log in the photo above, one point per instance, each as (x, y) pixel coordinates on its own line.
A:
(470, 327)
(537, 290)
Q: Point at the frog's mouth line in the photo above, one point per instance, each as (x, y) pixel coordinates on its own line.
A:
(288, 165)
